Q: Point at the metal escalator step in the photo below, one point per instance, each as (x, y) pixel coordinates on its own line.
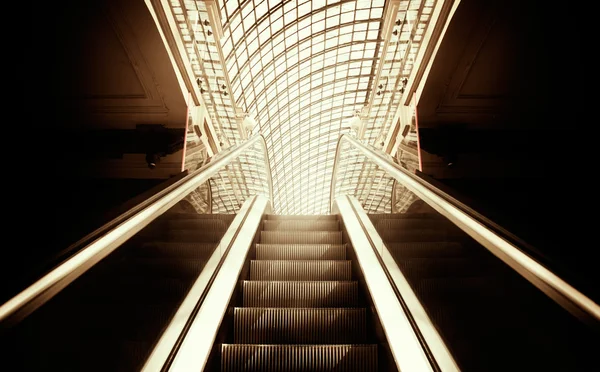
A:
(182, 221)
(154, 267)
(258, 325)
(386, 216)
(423, 235)
(300, 293)
(227, 217)
(301, 225)
(130, 289)
(301, 237)
(301, 251)
(428, 249)
(320, 217)
(157, 233)
(174, 249)
(204, 236)
(88, 355)
(292, 358)
(413, 223)
(300, 270)
(444, 267)
(196, 223)
(465, 290)
(138, 322)
(460, 320)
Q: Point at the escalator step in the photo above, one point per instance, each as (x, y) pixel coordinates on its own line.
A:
(300, 270)
(130, 290)
(89, 356)
(465, 290)
(386, 216)
(154, 267)
(195, 223)
(444, 267)
(76, 321)
(301, 237)
(423, 235)
(182, 235)
(321, 217)
(428, 249)
(288, 358)
(301, 225)
(174, 249)
(226, 217)
(299, 325)
(301, 251)
(412, 223)
(300, 294)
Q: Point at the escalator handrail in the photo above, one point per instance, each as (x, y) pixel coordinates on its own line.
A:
(552, 285)
(109, 237)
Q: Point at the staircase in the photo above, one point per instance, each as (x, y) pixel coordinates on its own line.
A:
(111, 317)
(490, 317)
(300, 308)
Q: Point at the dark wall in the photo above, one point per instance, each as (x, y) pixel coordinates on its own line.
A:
(52, 194)
(535, 127)
(545, 214)
(66, 210)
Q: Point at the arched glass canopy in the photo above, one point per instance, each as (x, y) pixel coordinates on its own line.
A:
(303, 69)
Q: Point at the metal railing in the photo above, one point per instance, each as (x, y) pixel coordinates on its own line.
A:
(552, 285)
(113, 234)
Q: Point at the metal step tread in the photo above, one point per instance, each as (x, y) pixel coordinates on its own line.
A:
(271, 293)
(174, 249)
(152, 267)
(414, 223)
(301, 251)
(320, 217)
(302, 237)
(429, 249)
(422, 215)
(423, 235)
(183, 235)
(260, 325)
(300, 270)
(196, 223)
(440, 267)
(82, 354)
(301, 225)
(227, 217)
(316, 358)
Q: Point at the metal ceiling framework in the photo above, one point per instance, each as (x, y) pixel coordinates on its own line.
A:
(303, 69)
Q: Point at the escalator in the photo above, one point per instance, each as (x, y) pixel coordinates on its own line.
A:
(490, 317)
(263, 292)
(111, 317)
(300, 306)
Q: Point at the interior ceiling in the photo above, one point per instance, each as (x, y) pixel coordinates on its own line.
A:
(303, 69)
(111, 85)
(490, 101)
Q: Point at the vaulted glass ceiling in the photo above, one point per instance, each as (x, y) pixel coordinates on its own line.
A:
(303, 69)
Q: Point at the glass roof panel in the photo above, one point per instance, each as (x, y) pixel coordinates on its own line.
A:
(312, 89)
(303, 69)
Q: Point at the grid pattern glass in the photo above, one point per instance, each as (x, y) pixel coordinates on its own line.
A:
(373, 192)
(409, 27)
(302, 69)
(244, 177)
